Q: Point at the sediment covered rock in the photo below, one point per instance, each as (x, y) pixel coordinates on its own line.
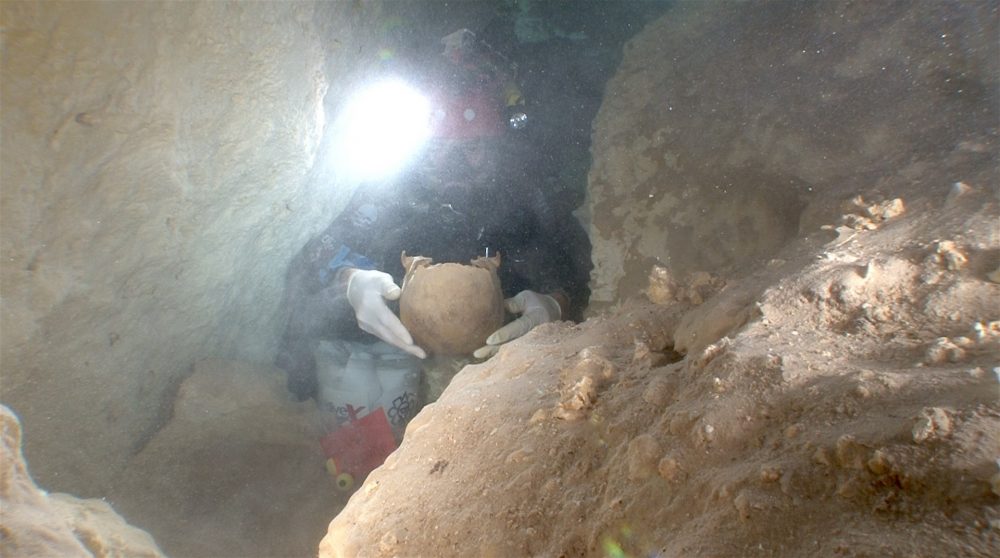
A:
(35, 523)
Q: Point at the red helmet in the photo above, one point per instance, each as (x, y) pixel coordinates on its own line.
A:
(475, 114)
(469, 101)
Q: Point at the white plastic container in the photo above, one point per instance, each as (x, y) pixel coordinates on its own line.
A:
(356, 379)
(399, 376)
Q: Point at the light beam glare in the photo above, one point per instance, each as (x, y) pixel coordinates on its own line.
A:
(380, 129)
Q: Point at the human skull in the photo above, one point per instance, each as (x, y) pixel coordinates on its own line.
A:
(450, 308)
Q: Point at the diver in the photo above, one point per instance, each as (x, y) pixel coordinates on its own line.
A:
(473, 193)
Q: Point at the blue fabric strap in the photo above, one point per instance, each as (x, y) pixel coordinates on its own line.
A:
(344, 257)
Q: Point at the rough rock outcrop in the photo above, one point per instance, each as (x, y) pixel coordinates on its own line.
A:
(837, 397)
(35, 523)
(161, 163)
(840, 402)
(726, 120)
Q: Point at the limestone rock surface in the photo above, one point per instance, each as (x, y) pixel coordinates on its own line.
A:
(731, 126)
(836, 397)
(854, 408)
(35, 523)
(160, 164)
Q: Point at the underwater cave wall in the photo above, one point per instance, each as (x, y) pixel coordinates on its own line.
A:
(161, 163)
(730, 128)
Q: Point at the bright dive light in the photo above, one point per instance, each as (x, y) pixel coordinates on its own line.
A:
(380, 129)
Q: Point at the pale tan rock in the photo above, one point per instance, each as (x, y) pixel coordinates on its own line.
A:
(934, 423)
(35, 523)
(683, 460)
(160, 166)
(579, 398)
(709, 323)
(986, 331)
(709, 141)
(879, 463)
(662, 288)
(864, 216)
(581, 380)
(954, 257)
(770, 474)
(943, 350)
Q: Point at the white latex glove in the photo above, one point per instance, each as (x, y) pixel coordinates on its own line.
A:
(535, 309)
(367, 291)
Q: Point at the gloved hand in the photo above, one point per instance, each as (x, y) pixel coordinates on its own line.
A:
(535, 309)
(367, 291)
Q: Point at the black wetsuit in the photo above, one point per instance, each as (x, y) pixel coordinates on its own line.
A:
(539, 249)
